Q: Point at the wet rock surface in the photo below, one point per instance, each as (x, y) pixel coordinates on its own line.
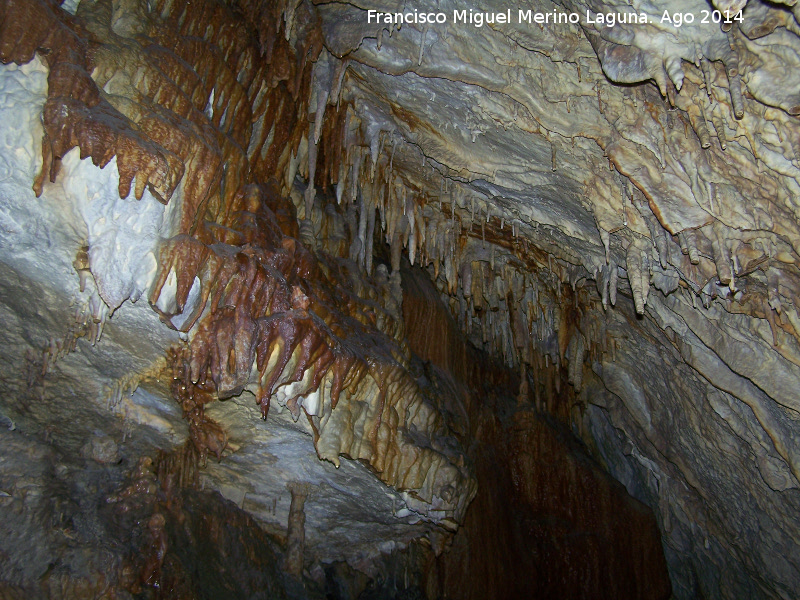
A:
(209, 215)
(549, 524)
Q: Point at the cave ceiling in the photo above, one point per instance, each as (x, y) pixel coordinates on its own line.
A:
(653, 166)
(620, 204)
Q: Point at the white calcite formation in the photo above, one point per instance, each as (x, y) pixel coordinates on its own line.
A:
(84, 357)
(653, 168)
(619, 201)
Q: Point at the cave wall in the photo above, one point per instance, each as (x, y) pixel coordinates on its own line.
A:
(609, 212)
(223, 261)
(548, 521)
(650, 168)
(121, 233)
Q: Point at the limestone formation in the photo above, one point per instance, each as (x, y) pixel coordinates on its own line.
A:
(370, 235)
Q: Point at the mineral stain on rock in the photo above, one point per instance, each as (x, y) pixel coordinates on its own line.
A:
(299, 304)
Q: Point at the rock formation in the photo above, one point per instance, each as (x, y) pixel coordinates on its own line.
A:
(497, 260)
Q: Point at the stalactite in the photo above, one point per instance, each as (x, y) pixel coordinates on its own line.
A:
(691, 246)
(737, 101)
(295, 536)
(638, 277)
(311, 189)
(721, 256)
(719, 127)
(267, 305)
(698, 121)
(577, 349)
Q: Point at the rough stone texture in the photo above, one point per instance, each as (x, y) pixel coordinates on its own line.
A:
(549, 522)
(679, 195)
(349, 514)
(63, 538)
(612, 207)
(86, 366)
(699, 453)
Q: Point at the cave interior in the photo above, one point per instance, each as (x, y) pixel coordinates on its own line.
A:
(354, 299)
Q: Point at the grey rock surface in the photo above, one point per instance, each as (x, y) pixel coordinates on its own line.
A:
(635, 183)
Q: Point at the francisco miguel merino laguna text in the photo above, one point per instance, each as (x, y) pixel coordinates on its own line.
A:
(479, 18)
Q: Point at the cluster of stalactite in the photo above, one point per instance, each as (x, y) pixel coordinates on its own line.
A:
(197, 105)
(511, 300)
(547, 522)
(541, 384)
(706, 263)
(174, 95)
(177, 93)
(506, 295)
(272, 318)
(723, 225)
(692, 181)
